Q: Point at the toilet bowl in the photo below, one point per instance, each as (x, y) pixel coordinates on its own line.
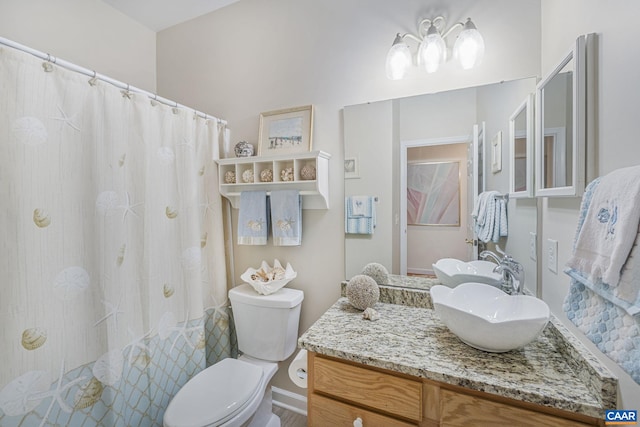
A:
(237, 392)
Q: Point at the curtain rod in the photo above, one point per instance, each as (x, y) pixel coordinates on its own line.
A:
(93, 74)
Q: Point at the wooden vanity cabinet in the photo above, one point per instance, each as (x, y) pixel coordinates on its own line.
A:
(341, 392)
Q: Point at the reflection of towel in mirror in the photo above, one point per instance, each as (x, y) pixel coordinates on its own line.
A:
(253, 221)
(360, 215)
(608, 230)
(286, 217)
(490, 216)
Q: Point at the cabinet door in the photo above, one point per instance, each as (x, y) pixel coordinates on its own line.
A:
(461, 410)
(325, 412)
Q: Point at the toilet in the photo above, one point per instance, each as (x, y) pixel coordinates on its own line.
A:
(237, 392)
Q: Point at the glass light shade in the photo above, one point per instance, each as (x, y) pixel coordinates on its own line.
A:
(432, 51)
(398, 60)
(469, 46)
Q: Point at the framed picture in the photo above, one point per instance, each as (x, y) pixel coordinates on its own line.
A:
(496, 153)
(351, 168)
(285, 131)
(433, 193)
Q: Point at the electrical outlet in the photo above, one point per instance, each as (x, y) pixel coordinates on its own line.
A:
(532, 246)
(552, 255)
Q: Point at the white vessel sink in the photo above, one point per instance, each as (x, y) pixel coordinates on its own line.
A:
(452, 272)
(488, 319)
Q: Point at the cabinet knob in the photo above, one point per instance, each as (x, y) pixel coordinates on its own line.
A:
(357, 422)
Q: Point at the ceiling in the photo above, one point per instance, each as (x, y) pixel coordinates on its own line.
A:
(160, 14)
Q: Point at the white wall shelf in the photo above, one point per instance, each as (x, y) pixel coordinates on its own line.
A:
(315, 193)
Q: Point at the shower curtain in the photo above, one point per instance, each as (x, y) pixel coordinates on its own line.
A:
(112, 249)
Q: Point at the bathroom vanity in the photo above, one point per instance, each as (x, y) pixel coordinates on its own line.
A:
(408, 369)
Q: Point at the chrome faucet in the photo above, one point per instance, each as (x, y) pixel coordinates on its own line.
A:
(512, 275)
(488, 254)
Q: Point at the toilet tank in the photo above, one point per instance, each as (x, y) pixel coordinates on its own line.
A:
(266, 325)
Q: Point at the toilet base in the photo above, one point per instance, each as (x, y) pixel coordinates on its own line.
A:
(264, 416)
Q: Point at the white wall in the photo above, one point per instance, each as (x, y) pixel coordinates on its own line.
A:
(89, 33)
(255, 56)
(618, 59)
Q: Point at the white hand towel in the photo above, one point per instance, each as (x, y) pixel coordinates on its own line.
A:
(610, 227)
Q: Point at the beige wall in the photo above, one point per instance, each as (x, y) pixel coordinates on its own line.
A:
(617, 59)
(255, 56)
(88, 33)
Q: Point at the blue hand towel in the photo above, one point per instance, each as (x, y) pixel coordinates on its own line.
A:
(253, 221)
(286, 214)
(360, 215)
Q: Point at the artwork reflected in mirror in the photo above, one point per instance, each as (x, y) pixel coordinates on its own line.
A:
(521, 143)
(433, 193)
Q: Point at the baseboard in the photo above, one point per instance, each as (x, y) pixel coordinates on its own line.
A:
(288, 400)
(420, 271)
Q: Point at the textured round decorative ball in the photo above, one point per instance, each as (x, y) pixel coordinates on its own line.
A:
(243, 149)
(247, 176)
(286, 174)
(377, 272)
(230, 177)
(308, 172)
(362, 292)
(266, 175)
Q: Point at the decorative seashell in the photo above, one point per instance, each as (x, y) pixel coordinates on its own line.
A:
(203, 240)
(24, 394)
(167, 290)
(230, 177)
(201, 171)
(88, 394)
(286, 174)
(266, 175)
(120, 258)
(121, 159)
(29, 131)
(200, 343)
(255, 225)
(370, 314)
(308, 172)
(284, 225)
(108, 368)
(171, 212)
(278, 273)
(33, 338)
(243, 149)
(247, 176)
(40, 218)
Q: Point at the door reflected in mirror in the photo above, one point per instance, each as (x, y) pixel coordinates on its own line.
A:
(521, 143)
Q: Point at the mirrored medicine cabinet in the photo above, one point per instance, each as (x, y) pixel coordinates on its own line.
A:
(521, 150)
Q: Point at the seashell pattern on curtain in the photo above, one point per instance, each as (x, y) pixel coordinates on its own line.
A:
(113, 273)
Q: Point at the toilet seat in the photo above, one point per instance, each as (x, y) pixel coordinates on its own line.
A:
(215, 395)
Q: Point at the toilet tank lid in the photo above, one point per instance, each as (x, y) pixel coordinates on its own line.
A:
(283, 298)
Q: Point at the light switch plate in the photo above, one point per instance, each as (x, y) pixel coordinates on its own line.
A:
(552, 255)
(532, 246)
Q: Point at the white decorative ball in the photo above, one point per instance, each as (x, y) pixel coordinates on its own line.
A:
(247, 176)
(266, 175)
(286, 174)
(377, 272)
(363, 292)
(230, 177)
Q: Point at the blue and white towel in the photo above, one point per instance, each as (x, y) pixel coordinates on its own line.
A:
(490, 217)
(360, 215)
(286, 217)
(608, 315)
(253, 219)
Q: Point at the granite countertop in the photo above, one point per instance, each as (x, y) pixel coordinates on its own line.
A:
(554, 370)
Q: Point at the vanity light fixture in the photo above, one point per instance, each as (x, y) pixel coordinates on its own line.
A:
(432, 49)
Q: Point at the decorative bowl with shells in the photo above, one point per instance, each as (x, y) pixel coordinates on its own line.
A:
(267, 280)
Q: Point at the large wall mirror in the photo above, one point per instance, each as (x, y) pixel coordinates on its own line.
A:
(560, 130)
(521, 144)
(437, 129)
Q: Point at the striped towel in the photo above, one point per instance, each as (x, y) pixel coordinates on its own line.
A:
(360, 215)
